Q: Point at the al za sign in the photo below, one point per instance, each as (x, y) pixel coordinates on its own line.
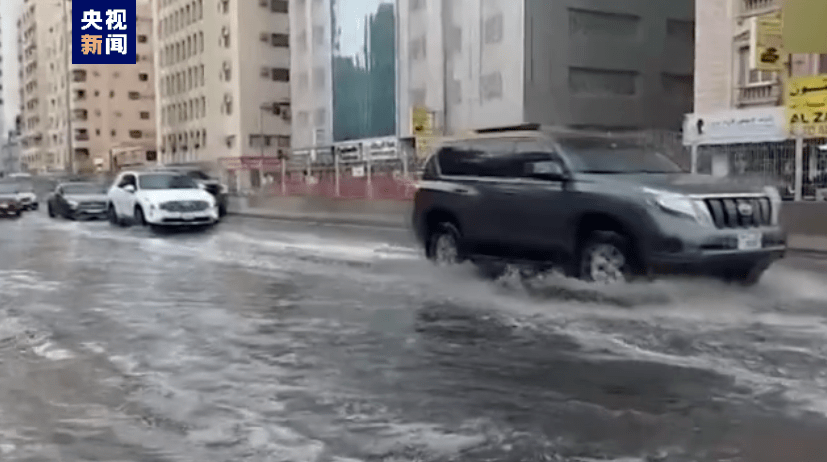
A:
(103, 32)
(806, 101)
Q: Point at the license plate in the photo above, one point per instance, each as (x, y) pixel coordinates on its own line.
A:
(749, 241)
(188, 216)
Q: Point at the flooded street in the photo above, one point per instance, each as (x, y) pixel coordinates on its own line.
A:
(271, 341)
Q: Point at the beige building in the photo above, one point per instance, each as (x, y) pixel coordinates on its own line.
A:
(739, 124)
(725, 76)
(223, 82)
(111, 105)
(32, 36)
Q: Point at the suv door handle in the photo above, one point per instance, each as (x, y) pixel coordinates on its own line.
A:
(462, 190)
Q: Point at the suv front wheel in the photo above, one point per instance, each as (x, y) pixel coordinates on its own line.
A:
(443, 245)
(605, 258)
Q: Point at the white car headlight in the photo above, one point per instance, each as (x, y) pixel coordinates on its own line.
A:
(72, 204)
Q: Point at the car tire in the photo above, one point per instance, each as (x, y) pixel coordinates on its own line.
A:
(112, 214)
(51, 211)
(605, 258)
(443, 245)
(139, 217)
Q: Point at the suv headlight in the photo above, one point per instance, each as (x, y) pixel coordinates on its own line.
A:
(681, 205)
(72, 204)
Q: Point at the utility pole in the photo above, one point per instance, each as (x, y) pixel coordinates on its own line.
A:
(67, 40)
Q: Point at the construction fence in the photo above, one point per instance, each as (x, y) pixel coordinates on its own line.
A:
(395, 178)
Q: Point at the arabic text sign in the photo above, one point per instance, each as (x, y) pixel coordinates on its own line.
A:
(103, 32)
(807, 105)
(752, 125)
(769, 51)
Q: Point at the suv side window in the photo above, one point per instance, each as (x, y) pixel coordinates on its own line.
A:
(430, 171)
(127, 180)
(530, 152)
(459, 160)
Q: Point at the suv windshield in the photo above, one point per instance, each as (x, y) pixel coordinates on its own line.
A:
(7, 188)
(25, 186)
(83, 189)
(166, 181)
(605, 156)
(198, 175)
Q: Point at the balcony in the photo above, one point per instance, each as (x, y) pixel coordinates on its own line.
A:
(763, 94)
(81, 135)
(757, 7)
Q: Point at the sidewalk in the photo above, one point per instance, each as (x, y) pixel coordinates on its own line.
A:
(238, 206)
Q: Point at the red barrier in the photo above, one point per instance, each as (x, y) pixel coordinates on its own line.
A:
(384, 187)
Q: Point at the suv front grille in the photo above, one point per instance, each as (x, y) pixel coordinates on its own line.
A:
(726, 214)
(185, 206)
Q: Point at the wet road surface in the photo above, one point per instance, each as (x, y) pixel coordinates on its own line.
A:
(270, 341)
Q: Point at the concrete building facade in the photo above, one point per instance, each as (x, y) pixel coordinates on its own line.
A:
(109, 105)
(32, 36)
(596, 63)
(312, 72)
(223, 81)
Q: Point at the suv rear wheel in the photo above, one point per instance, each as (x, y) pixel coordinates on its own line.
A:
(443, 245)
(605, 258)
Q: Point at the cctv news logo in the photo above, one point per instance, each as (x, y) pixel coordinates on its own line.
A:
(103, 32)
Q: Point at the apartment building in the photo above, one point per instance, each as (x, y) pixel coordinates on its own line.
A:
(311, 66)
(738, 125)
(593, 64)
(108, 105)
(223, 82)
(32, 37)
(2, 82)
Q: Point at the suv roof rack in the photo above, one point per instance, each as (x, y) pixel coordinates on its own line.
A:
(510, 128)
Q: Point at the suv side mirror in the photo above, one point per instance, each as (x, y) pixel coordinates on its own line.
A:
(129, 188)
(551, 170)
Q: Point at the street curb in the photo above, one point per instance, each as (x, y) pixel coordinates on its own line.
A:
(322, 219)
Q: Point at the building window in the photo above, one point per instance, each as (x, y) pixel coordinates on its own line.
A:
(280, 40)
(494, 29)
(597, 82)
(135, 134)
(145, 115)
(78, 75)
(278, 6)
(142, 38)
(133, 95)
(113, 133)
(281, 74)
(112, 94)
(143, 76)
(200, 42)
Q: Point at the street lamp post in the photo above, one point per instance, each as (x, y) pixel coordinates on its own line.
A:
(67, 40)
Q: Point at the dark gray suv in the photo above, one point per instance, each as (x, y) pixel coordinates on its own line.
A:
(603, 208)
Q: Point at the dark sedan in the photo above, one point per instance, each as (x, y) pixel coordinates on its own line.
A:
(9, 204)
(77, 201)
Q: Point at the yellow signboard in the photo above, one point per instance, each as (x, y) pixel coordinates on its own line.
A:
(804, 26)
(769, 52)
(422, 127)
(806, 101)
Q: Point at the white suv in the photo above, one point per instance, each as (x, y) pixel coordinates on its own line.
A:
(160, 199)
